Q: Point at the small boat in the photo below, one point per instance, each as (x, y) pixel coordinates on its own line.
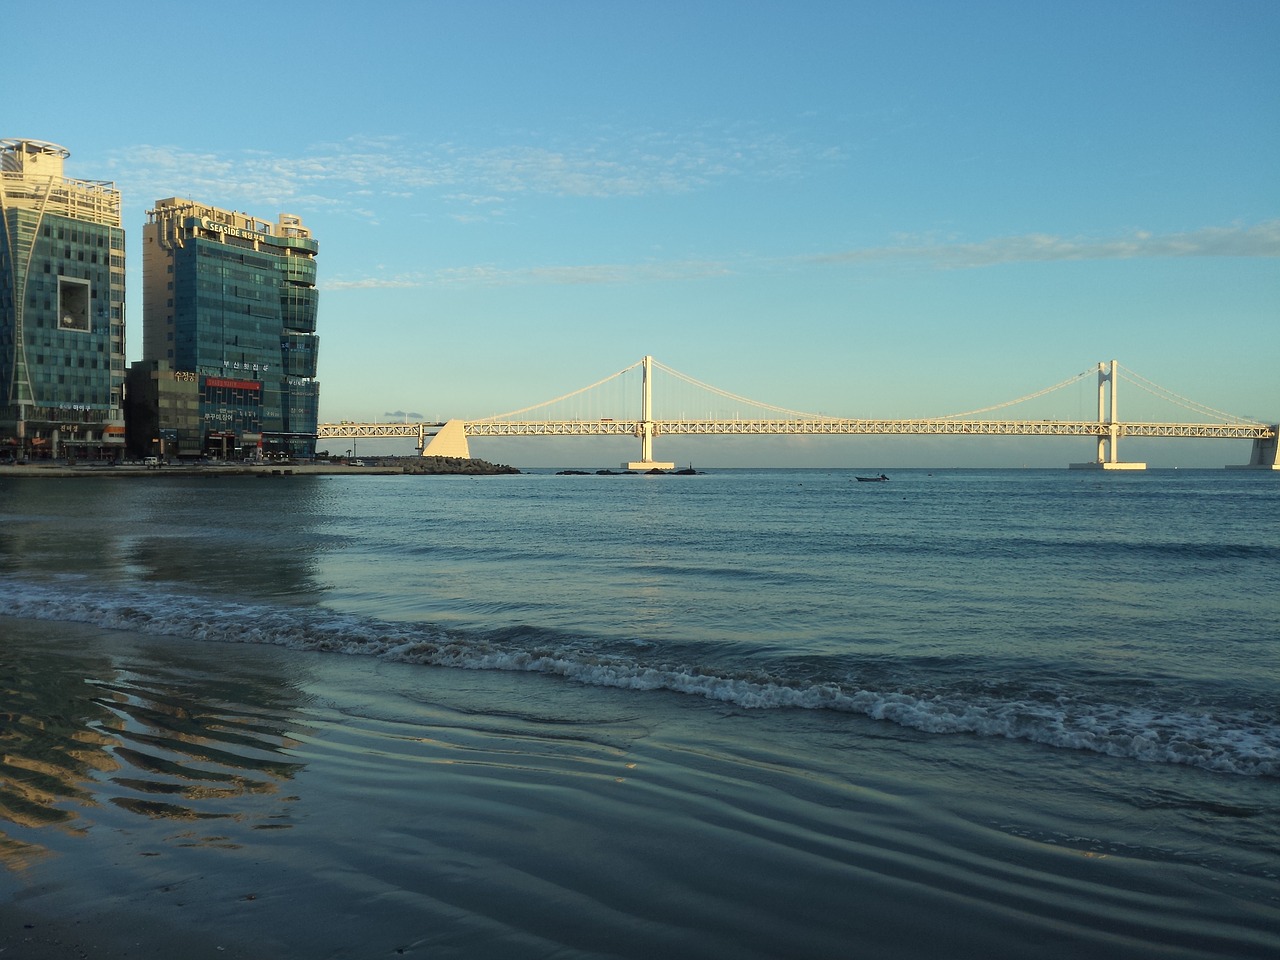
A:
(880, 479)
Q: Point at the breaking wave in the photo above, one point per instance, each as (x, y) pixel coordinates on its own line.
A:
(1234, 742)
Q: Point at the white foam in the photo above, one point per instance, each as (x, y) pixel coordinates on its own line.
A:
(1237, 744)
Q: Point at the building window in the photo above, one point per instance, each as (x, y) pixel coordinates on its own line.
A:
(73, 304)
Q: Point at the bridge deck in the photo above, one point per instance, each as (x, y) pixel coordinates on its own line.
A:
(820, 427)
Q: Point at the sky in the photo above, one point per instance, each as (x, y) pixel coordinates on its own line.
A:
(860, 209)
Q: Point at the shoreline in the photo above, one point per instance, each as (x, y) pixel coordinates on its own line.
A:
(184, 795)
(415, 466)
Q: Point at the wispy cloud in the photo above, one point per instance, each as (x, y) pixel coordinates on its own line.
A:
(1258, 240)
(612, 164)
(371, 283)
(488, 275)
(582, 274)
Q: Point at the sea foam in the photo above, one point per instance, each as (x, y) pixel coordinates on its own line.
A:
(1226, 742)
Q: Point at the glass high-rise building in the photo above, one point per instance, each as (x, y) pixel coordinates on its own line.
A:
(232, 300)
(62, 296)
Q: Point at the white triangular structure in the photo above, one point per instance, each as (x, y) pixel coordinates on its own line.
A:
(450, 441)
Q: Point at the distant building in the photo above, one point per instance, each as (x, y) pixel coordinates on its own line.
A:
(162, 409)
(231, 301)
(62, 285)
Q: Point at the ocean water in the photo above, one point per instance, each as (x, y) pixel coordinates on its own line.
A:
(746, 713)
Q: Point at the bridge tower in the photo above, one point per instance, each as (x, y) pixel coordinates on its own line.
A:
(646, 429)
(1109, 427)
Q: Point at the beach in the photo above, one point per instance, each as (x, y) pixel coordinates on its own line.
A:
(366, 810)
(200, 761)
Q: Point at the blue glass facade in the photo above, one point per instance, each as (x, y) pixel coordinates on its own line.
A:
(233, 299)
(62, 295)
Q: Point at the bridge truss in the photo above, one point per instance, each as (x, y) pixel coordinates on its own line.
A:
(449, 438)
(832, 426)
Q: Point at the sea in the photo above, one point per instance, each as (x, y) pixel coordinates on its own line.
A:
(739, 714)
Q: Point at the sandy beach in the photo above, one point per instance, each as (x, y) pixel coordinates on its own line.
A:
(26, 935)
(327, 719)
(205, 800)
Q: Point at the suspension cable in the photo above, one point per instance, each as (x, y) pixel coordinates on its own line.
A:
(567, 396)
(1130, 375)
(1166, 394)
(733, 396)
(1031, 396)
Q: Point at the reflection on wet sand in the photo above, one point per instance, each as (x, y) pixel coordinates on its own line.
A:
(164, 742)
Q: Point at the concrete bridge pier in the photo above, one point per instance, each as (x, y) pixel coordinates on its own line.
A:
(1266, 453)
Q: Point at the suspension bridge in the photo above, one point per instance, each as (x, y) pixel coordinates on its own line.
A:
(448, 438)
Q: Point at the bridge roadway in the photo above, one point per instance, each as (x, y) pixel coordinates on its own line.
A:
(833, 426)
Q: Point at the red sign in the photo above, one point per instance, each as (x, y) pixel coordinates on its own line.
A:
(233, 384)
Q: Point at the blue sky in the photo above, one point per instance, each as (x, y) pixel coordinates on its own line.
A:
(861, 209)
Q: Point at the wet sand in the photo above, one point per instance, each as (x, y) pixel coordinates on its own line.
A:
(27, 935)
(169, 798)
